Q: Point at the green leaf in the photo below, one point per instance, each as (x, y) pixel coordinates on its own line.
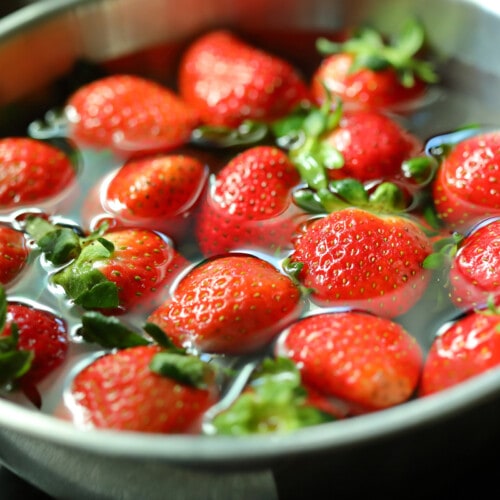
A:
(59, 244)
(161, 338)
(109, 332)
(14, 364)
(248, 133)
(275, 402)
(185, 369)
(102, 295)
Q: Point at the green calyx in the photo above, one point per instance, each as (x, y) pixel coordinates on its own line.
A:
(371, 51)
(14, 362)
(275, 402)
(171, 362)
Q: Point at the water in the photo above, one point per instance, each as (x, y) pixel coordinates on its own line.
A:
(445, 111)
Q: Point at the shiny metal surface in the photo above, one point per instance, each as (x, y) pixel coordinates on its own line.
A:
(41, 42)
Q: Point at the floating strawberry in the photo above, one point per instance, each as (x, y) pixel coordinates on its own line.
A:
(249, 205)
(13, 254)
(144, 389)
(32, 172)
(465, 189)
(117, 271)
(33, 343)
(155, 192)
(232, 304)
(468, 347)
(130, 115)
(352, 257)
(368, 72)
(475, 268)
(229, 81)
(368, 361)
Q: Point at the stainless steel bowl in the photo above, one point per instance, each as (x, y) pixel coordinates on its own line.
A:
(38, 45)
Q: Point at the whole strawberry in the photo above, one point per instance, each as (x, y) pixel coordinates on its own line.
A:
(368, 361)
(229, 81)
(13, 254)
(130, 115)
(467, 348)
(33, 343)
(155, 192)
(368, 72)
(475, 268)
(233, 304)
(116, 271)
(373, 146)
(143, 389)
(352, 257)
(249, 205)
(465, 189)
(32, 172)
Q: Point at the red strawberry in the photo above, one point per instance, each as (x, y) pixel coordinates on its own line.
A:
(373, 146)
(32, 172)
(233, 304)
(117, 271)
(157, 192)
(475, 268)
(228, 81)
(13, 254)
(465, 189)
(33, 348)
(355, 258)
(249, 204)
(368, 361)
(130, 115)
(122, 391)
(367, 72)
(467, 348)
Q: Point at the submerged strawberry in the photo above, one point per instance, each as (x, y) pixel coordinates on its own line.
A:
(228, 81)
(368, 72)
(249, 205)
(467, 348)
(143, 389)
(32, 172)
(33, 343)
(355, 258)
(13, 254)
(155, 192)
(233, 304)
(370, 362)
(465, 189)
(130, 115)
(475, 268)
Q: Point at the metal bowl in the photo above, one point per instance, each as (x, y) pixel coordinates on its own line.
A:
(38, 45)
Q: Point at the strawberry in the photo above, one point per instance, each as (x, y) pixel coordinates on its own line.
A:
(156, 192)
(229, 81)
(32, 172)
(14, 253)
(465, 189)
(33, 343)
(130, 115)
(368, 72)
(352, 257)
(466, 348)
(474, 272)
(249, 204)
(116, 271)
(143, 389)
(233, 304)
(370, 362)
